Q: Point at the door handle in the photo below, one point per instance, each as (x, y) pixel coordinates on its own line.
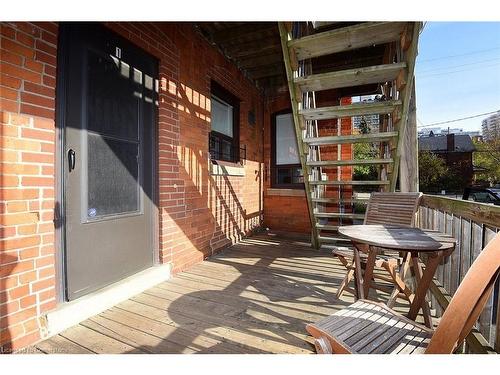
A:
(71, 159)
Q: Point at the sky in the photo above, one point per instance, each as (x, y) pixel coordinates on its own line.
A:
(458, 73)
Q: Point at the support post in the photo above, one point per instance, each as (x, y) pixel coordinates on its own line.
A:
(405, 93)
(408, 175)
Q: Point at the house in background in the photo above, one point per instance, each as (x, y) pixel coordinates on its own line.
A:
(455, 149)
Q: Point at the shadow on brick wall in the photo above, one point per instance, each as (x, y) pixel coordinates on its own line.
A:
(212, 212)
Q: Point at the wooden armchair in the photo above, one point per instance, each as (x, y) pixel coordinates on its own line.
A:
(383, 208)
(369, 327)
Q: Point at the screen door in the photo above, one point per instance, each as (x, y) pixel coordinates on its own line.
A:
(110, 113)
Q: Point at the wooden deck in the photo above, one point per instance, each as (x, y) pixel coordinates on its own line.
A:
(255, 297)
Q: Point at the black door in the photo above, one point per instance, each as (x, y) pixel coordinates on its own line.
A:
(109, 131)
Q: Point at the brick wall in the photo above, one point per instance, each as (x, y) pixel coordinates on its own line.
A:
(202, 212)
(287, 211)
(282, 211)
(27, 94)
(199, 212)
(331, 127)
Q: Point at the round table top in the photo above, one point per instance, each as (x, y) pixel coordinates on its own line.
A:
(399, 238)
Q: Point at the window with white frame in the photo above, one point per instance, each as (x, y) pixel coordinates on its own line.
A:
(286, 170)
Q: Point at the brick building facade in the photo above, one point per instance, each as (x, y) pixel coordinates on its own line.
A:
(199, 211)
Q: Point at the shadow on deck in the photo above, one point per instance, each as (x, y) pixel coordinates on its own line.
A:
(254, 297)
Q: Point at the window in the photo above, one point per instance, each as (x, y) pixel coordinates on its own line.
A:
(113, 139)
(286, 171)
(224, 134)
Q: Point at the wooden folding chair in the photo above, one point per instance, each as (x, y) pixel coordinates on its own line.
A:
(370, 327)
(383, 208)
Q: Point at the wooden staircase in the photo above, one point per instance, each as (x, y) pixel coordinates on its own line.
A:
(302, 43)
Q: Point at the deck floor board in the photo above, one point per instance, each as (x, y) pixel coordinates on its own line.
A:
(254, 297)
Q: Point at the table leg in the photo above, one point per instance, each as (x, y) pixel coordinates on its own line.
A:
(370, 264)
(358, 274)
(425, 304)
(423, 281)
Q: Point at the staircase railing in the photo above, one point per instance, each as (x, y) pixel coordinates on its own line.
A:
(286, 35)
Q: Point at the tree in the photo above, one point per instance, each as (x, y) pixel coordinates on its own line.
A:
(365, 172)
(432, 172)
(487, 156)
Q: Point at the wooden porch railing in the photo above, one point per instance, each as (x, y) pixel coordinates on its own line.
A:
(473, 225)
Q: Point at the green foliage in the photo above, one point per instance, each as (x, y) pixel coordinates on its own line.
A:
(365, 172)
(487, 156)
(431, 170)
(435, 175)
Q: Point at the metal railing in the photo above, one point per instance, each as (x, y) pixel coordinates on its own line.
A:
(225, 150)
(473, 225)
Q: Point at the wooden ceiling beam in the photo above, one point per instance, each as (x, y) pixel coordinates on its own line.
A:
(246, 49)
(248, 30)
(266, 71)
(276, 80)
(256, 50)
(260, 60)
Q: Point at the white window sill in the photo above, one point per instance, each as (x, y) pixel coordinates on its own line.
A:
(222, 168)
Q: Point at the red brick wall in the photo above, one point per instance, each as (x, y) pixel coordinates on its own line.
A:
(281, 212)
(330, 127)
(199, 213)
(27, 94)
(288, 211)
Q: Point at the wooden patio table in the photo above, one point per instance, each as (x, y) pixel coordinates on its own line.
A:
(374, 239)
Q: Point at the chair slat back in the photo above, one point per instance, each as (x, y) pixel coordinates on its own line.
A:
(392, 208)
(468, 301)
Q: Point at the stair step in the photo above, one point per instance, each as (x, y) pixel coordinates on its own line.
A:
(327, 227)
(337, 200)
(339, 163)
(334, 215)
(346, 39)
(357, 109)
(349, 77)
(333, 239)
(352, 138)
(354, 183)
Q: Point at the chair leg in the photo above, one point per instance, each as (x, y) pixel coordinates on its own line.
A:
(349, 275)
(347, 279)
(392, 299)
(396, 289)
(342, 260)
